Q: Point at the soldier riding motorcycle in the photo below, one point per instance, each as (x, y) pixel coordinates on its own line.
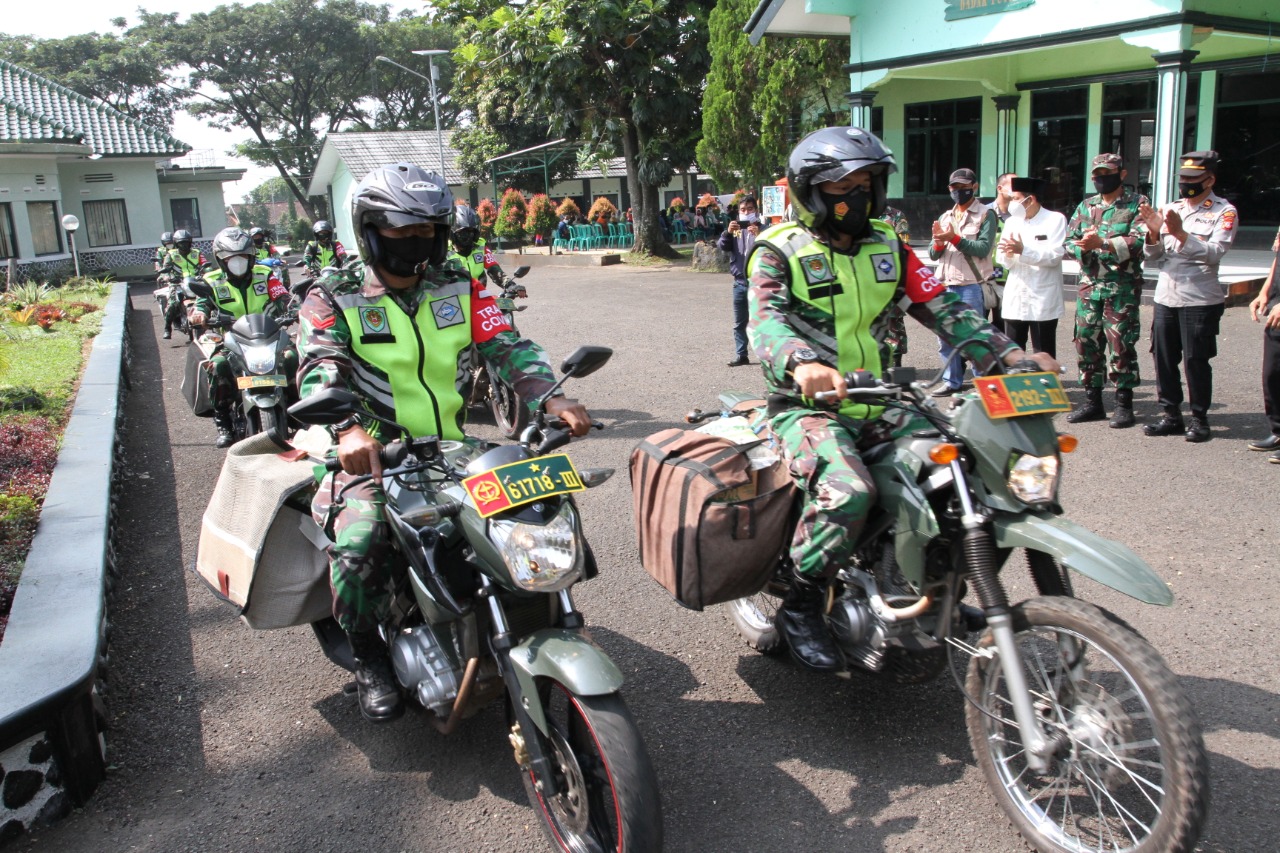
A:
(181, 264)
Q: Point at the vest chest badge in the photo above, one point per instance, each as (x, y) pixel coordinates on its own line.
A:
(886, 268)
(448, 312)
(478, 257)
(260, 288)
(816, 269)
(373, 321)
(222, 292)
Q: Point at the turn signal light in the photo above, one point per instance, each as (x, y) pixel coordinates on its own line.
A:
(944, 453)
(1067, 443)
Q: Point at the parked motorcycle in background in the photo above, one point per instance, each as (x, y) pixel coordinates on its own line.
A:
(488, 543)
(510, 413)
(175, 297)
(1085, 736)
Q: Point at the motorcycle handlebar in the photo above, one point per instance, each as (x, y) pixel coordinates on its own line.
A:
(393, 453)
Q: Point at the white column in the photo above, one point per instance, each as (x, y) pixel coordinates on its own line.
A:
(1171, 70)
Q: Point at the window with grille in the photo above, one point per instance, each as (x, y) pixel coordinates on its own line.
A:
(106, 223)
(46, 234)
(186, 214)
(942, 136)
(8, 241)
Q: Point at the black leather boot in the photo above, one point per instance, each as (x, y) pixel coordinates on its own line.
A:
(1091, 410)
(222, 422)
(380, 699)
(1170, 423)
(804, 629)
(168, 331)
(1122, 417)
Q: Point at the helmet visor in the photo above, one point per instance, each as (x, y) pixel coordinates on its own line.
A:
(400, 218)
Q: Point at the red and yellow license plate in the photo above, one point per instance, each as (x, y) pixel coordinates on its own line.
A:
(243, 382)
(519, 483)
(1022, 394)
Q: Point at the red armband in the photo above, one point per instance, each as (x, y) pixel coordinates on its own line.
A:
(276, 288)
(489, 259)
(921, 283)
(487, 319)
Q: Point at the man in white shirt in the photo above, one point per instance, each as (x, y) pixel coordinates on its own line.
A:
(1031, 248)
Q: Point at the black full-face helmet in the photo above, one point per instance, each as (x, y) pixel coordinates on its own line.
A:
(829, 155)
(182, 240)
(323, 229)
(399, 195)
(258, 236)
(466, 228)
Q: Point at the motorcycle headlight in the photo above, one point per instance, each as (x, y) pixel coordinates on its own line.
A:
(260, 359)
(1033, 479)
(541, 558)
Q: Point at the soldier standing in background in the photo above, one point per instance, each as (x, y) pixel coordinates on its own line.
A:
(897, 338)
(1105, 235)
(1186, 241)
(1265, 309)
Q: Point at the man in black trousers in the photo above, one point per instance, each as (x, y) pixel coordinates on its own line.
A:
(1265, 309)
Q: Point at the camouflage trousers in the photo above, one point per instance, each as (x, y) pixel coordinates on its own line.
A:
(822, 453)
(1107, 317)
(897, 334)
(222, 382)
(360, 571)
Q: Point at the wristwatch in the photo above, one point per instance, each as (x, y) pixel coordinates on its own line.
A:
(344, 425)
(803, 355)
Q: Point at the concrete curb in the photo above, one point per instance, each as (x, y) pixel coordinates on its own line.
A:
(511, 260)
(53, 657)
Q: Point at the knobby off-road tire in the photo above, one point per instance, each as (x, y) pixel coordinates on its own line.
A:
(754, 618)
(1130, 773)
(608, 800)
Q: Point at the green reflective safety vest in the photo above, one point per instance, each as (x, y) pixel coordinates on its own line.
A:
(324, 256)
(853, 289)
(187, 264)
(474, 260)
(264, 253)
(416, 353)
(253, 299)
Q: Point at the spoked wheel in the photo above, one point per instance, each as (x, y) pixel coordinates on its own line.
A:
(608, 792)
(509, 411)
(1129, 772)
(754, 618)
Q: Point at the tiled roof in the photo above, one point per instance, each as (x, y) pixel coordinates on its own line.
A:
(364, 152)
(36, 109)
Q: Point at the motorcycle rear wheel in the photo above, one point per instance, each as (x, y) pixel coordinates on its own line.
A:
(608, 796)
(1130, 772)
(509, 411)
(754, 618)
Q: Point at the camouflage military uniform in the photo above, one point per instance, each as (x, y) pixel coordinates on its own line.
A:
(1110, 290)
(897, 337)
(359, 568)
(821, 447)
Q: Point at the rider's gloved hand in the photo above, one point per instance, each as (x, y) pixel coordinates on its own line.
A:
(572, 413)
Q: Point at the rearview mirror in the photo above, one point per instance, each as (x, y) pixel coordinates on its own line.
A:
(521, 272)
(585, 361)
(327, 407)
(199, 287)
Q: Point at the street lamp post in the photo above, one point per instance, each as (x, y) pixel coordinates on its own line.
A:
(435, 100)
(71, 223)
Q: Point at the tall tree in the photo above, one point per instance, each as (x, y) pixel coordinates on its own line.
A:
(497, 125)
(288, 71)
(762, 98)
(401, 100)
(126, 71)
(619, 74)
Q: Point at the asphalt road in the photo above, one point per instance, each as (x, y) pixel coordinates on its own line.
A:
(229, 739)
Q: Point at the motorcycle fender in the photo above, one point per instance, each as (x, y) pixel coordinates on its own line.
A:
(568, 657)
(259, 400)
(1103, 560)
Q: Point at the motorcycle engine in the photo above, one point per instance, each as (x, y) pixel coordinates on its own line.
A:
(421, 664)
(859, 632)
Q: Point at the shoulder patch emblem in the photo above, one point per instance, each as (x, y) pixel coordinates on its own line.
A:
(816, 269)
(373, 320)
(1228, 220)
(260, 288)
(886, 268)
(448, 312)
(222, 292)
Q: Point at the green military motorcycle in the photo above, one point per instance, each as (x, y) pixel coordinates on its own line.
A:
(489, 543)
(1082, 731)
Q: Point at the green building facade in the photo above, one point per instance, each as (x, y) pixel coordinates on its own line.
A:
(1038, 87)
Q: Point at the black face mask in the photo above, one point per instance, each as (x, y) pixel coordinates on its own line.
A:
(1106, 184)
(961, 196)
(848, 213)
(259, 241)
(1190, 190)
(402, 256)
(464, 243)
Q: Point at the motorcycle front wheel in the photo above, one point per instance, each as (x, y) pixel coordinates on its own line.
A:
(1129, 772)
(509, 411)
(274, 422)
(607, 798)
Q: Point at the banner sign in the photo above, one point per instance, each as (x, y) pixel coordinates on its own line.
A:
(957, 9)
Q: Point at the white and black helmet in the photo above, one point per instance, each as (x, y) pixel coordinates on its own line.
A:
(828, 155)
(398, 195)
(182, 239)
(466, 227)
(230, 243)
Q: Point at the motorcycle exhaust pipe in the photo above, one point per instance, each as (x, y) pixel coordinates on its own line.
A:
(460, 701)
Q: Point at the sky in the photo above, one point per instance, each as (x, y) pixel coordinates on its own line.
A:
(83, 16)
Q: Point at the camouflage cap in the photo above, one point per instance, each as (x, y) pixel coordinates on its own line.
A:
(1197, 163)
(1107, 161)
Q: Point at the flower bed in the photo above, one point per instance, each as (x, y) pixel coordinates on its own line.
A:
(42, 341)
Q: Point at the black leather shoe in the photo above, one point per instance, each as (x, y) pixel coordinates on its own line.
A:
(379, 695)
(168, 333)
(1197, 430)
(1269, 444)
(225, 439)
(1122, 415)
(1274, 458)
(1092, 409)
(1167, 425)
(740, 362)
(804, 629)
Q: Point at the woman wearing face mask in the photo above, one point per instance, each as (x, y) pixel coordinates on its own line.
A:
(240, 287)
(963, 238)
(1031, 249)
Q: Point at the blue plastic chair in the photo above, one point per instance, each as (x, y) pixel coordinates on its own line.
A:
(678, 232)
(597, 237)
(581, 238)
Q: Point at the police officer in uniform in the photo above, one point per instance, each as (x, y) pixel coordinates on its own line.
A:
(1186, 241)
